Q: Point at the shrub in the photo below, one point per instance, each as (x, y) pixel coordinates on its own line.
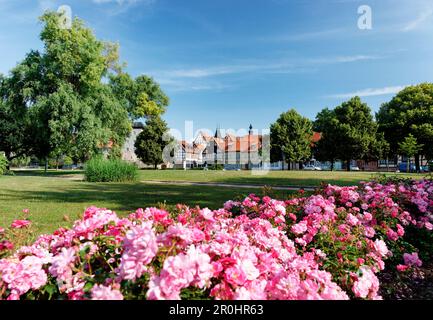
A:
(20, 162)
(3, 164)
(110, 170)
(67, 161)
(215, 167)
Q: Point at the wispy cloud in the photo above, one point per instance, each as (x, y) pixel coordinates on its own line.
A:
(260, 67)
(124, 2)
(185, 85)
(117, 7)
(422, 17)
(207, 78)
(368, 92)
(302, 36)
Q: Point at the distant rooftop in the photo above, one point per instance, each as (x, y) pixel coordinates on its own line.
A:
(138, 125)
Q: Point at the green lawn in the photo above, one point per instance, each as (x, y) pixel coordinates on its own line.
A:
(53, 196)
(272, 178)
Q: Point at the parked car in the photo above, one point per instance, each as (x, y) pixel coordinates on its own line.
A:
(354, 168)
(312, 167)
(402, 167)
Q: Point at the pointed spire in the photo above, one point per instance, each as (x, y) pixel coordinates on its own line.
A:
(218, 132)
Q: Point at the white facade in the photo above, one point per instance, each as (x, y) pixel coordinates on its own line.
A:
(128, 149)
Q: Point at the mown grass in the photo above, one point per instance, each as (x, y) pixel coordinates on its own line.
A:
(272, 178)
(56, 201)
(57, 198)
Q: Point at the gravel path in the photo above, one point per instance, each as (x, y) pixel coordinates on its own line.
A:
(228, 185)
(80, 177)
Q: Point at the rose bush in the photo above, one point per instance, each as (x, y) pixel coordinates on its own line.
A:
(331, 245)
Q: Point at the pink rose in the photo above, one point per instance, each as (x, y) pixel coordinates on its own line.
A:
(18, 224)
(402, 267)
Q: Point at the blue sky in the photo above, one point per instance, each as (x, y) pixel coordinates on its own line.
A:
(236, 62)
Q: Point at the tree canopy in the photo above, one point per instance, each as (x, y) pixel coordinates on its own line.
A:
(409, 147)
(348, 132)
(150, 143)
(72, 97)
(291, 137)
(409, 112)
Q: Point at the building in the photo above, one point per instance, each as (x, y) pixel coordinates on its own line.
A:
(128, 149)
(230, 151)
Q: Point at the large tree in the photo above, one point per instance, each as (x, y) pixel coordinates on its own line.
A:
(409, 112)
(17, 94)
(291, 138)
(151, 142)
(326, 149)
(348, 132)
(70, 96)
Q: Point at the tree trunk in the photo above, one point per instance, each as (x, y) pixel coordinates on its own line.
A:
(348, 165)
(156, 166)
(387, 164)
(8, 156)
(332, 165)
(407, 165)
(46, 164)
(417, 164)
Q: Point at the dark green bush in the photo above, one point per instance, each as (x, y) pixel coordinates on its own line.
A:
(110, 170)
(3, 164)
(215, 167)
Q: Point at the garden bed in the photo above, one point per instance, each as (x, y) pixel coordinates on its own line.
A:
(366, 242)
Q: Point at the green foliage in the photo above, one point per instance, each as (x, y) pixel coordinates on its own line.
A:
(140, 96)
(326, 149)
(20, 162)
(215, 167)
(3, 164)
(349, 132)
(109, 170)
(409, 112)
(14, 124)
(291, 137)
(409, 146)
(67, 161)
(151, 142)
(57, 100)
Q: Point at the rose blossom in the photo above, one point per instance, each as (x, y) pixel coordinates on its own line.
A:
(18, 224)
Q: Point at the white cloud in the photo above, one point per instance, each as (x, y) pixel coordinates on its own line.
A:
(303, 36)
(184, 85)
(369, 92)
(122, 2)
(116, 7)
(423, 16)
(259, 67)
